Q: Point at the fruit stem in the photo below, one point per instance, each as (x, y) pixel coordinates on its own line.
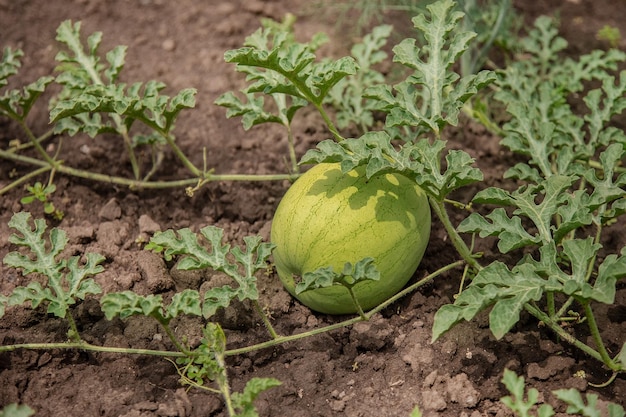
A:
(359, 309)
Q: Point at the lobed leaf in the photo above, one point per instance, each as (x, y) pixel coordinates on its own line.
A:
(347, 95)
(17, 104)
(90, 89)
(612, 269)
(243, 401)
(420, 160)
(363, 270)
(432, 96)
(272, 50)
(67, 280)
(128, 303)
(516, 401)
(510, 231)
(252, 110)
(576, 404)
(217, 256)
(498, 286)
(16, 410)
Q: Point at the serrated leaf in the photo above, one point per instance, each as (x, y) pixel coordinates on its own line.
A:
(495, 285)
(67, 280)
(243, 401)
(86, 94)
(432, 96)
(274, 50)
(116, 58)
(607, 188)
(349, 276)
(510, 231)
(252, 111)
(10, 64)
(366, 53)
(603, 104)
(579, 252)
(576, 403)
(128, 303)
(216, 298)
(573, 214)
(520, 401)
(195, 254)
(17, 104)
(420, 160)
(185, 302)
(613, 268)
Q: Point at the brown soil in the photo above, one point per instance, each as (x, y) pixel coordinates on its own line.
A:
(379, 368)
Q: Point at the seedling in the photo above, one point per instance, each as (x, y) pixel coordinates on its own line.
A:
(38, 192)
(525, 403)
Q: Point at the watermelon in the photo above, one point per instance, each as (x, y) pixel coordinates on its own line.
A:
(327, 218)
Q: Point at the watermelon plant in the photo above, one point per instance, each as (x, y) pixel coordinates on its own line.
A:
(330, 240)
(94, 102)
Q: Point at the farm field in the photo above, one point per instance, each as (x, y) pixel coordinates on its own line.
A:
(384, 366)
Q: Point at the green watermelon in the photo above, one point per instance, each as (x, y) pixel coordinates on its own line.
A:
(328, 218)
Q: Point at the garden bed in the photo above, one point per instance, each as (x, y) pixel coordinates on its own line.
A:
(383, 367)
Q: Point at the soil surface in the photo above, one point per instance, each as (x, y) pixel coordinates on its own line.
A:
(383, 367)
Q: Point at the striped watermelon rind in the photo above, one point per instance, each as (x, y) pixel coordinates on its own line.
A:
(328, 218)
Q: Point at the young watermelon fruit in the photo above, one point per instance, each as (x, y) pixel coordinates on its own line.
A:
(328, 218)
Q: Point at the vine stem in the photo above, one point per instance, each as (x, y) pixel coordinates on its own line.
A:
(83, 345)
(460, 245)
(135, 184)
(266, 320)
(595, 333)
(366, 316)
(554, 326)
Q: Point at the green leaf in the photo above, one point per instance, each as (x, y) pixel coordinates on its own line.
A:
(243, 401)
(552, 193)
(621, 356)
(420, 160)
(576, 404)
(185, 302)
(495, 285)
(4, 300)
(90, 90)
(128, 303)
(17, 104)
(576, 212)
(272, 50)
(196, 254)
(10, 64)
(116, 58)
(251, 110)
(607, 187)
(432, 96)
(604, 103)
(16, 410)
(67, 280)
(216, 298)
(363, 270)
(516, 402)
(579, 252)
(612, 269)
(510, 231)
(347, 96)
